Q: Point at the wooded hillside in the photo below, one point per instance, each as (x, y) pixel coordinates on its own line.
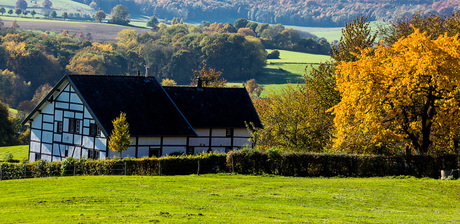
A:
(288, 12)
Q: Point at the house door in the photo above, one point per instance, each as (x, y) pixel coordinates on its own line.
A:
(155, 152)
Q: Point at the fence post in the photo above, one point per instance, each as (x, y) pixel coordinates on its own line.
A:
(1, 173)
(198, 171)
(74, 168)
(233, 166)
(125, 169)
(25, 172)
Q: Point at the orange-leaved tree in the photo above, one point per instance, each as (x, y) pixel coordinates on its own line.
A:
(406, 95)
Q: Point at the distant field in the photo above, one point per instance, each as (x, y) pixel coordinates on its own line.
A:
(225, 198)
(58, 5)
(19, 152)
(279, 72)
(100, 32)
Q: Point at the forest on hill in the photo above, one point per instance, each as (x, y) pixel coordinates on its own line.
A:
(321, 13)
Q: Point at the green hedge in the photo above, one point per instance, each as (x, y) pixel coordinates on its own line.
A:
(244, 162)
(327, 165)
(171, 165)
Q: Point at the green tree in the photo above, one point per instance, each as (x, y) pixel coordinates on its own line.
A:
(18, 11)
(2, 10)
(47, 4)
(240, 23)
(120, 15)
(174, 21)
(21, 4)
(10, 12)
(65, 15)
(33, 13)
(356, 35)
(99, 16)
(25, 12)
(153, 21)
(53, 14)
(119, 139)
(7, 136)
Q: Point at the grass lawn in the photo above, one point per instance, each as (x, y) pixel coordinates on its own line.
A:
(225, 198)
(19, 152)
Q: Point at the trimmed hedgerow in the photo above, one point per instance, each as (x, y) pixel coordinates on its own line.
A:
(315, 164)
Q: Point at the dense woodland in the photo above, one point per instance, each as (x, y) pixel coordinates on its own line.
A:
(303, 12)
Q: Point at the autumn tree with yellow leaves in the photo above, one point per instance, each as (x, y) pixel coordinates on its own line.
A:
(406, 95)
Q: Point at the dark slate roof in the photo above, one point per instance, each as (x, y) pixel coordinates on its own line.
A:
(215, 107)
(149, 110)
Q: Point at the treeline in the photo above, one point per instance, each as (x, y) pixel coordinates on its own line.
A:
(289, 12)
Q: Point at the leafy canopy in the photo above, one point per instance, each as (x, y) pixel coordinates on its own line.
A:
(119, 140)
(403, 95)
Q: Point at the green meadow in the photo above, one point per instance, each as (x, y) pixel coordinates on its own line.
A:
(226, 198)
(19, 152)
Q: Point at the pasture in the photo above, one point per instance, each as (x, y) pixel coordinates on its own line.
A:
(19, 152)
(227, 198)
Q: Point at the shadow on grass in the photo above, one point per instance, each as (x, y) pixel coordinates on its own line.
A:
(277, 76)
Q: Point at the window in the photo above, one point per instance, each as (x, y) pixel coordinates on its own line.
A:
(59, 128)
(74, 125)
(229, 132)
(190, 150)
(93, 130)
(93, 154)
(38, 156)
(155, 152)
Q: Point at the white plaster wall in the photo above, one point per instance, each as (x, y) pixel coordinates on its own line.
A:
(149, 141)
(175, 141)
(88, 142)
(241, 132)
(62, 105)
(143, 152)
(101, 143)
(31, 156)
(241, 142)
(37, 123)
(47, 136)
(198, 141)
(48, 118)
(221, 142)
(219, 132)
(202, 132)
(48, 109)
(46, 148)
(58, 115)
(34, 147)
(170, 149)
(48, 127)
(35, 135)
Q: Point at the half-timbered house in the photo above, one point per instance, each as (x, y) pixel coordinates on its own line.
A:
(75, 118)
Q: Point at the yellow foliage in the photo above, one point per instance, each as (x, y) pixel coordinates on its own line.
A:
(168, 82)
(16, 49)
(102, 47)
(405, 95)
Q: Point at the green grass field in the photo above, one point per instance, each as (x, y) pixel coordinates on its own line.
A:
(225, 198)
(19, 152)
